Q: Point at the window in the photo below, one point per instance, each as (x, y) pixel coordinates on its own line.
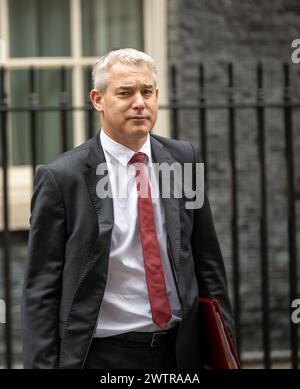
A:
(108, 24)
(39, 28)
(48, 123)
(71, 33)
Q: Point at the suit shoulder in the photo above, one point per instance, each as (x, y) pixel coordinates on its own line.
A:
(71, 159)
(180, 149)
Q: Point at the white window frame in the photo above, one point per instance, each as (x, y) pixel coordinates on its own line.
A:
(155, 43)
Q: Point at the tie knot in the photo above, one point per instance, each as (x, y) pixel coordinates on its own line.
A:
(138, 157)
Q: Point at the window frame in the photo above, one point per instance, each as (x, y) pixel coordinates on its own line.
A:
(155, 43)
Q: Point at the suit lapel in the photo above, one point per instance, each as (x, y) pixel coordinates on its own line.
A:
(171, 205)
(89, 294)
(93, 176)
(87, 300)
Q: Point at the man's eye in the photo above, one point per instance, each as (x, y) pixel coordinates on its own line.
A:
(124, 93)
(148, 92)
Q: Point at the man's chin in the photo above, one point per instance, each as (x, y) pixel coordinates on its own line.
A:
(140, 131)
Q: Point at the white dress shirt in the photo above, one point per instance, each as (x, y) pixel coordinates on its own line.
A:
(125, 306)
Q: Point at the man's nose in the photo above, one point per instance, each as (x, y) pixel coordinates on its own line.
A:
(138, 102)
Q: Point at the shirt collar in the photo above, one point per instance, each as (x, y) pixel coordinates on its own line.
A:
(120, 152)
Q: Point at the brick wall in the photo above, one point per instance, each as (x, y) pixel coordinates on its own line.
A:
(216, 32)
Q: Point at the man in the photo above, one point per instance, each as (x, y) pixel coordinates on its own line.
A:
(113, 281)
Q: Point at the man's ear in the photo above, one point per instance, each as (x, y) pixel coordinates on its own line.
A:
(96, 98)
(156, 96)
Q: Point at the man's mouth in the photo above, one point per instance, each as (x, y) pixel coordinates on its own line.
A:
(138, 117)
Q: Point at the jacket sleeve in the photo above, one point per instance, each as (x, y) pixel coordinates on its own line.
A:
(43, 274)
(209, 263)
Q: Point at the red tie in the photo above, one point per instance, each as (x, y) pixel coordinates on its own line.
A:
(159, 302)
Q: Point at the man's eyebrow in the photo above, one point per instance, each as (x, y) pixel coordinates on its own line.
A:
(124, 87)
(129, 87)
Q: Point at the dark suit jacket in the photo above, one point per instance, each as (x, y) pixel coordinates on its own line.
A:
(69, 245)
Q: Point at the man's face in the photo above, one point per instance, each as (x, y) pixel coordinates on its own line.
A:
(129, 104)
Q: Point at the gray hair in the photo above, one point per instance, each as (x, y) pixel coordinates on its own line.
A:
(123, 56)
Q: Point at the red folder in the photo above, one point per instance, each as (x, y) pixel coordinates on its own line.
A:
(218, 349)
